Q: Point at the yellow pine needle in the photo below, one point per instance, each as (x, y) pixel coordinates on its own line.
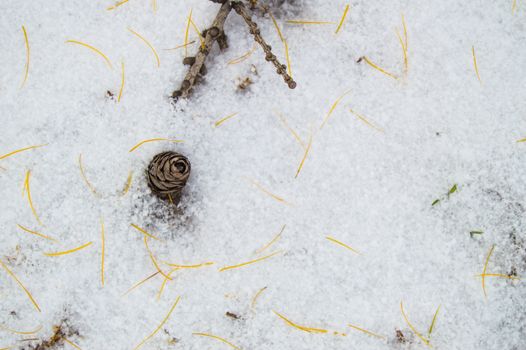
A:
(367, 332)
(309, 145)
(255, 298)
(128, 183)
(148, 44)
(404, 51)
(297, 326)
(84, 177)
(432, 326)
(499, 275)
(165, 280)
(266, 246)
(180, 46)
(367, 122)
(186, 33)
(196, 266)
(378, 68)
(153, 140)
(521, 140)
(117, 5)
(35, 233)
(485, 268)
(287, 56)
(160, 325)
(94, 49)
(475, 63)
(69, 251)
(294, 21)
(201, 39)
(514, 6)
(334, 240)
(294, 133)
(122, 82)
(277, 27)
(333, 107)
(426, 341)
(154, 261)
(140, 283)
(154, 5)
(222, 120)
(29, 198)
(103, 242)
(249, 262)
(28, 52)
(72, 343)
(342, 19)
(144, 232)
(405, 31)
(218, 338)
(21, 285)
(20, 150)
(170, 198)
(21, 332)
(243, 57)
(267, 192)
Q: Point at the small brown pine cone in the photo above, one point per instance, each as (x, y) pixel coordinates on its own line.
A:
(167, 175)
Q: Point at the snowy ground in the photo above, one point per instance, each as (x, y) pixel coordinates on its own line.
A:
(370, 189)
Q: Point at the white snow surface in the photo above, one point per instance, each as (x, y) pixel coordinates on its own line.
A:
(369, 189)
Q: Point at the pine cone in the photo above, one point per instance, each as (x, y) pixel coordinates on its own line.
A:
(167, 175)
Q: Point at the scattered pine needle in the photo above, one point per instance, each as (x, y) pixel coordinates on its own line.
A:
(333, 107)
(20, 150)
(308, 22)
(222, 120)
(510, 277)
(21, 285)
(186, 34)
(94, 49)
(475, 63)
(28, 52)
(35, 233)
(264, 190)
(514, 6)
(21, 332)
(266, 246)
(485, 268)
(154, 6)
(378, 68)
(426, 341)
(144, 232)
(342, 19)
(294, 133)
(277, 27)
(153, 140)
(243, 57)
(148, 44)
(128, 183)
(404, 51)
(180, 46)
(249, 262)
(154, 261)
(122, 82)
(287, 56)
(72, 344)
(65, 252)
(342, 244)
(103, 242)
(432, 326)
(140, 283)
(201, 39)
(160, 325)
(165, 280)
(218, 338)
(367, 122)
(196, 266)
(302, 328)
(29, 198)
(255, 298)
(367, 332)
(309, 145)
(521, 140)
(90, 186)
(117, 5)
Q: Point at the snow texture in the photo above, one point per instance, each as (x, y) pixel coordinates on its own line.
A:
(369, 189)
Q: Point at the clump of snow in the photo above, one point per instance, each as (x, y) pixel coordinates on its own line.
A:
(369, 189)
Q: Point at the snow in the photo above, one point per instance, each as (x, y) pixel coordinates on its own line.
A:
(369, 189)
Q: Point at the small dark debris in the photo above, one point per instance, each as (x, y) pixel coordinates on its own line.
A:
(400, 337)
(232, 315)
